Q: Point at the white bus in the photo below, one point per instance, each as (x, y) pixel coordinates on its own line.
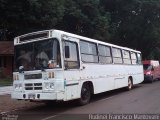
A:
(56, 65)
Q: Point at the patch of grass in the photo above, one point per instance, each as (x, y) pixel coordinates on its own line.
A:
(6, 81)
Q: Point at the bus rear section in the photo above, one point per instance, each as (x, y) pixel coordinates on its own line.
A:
(151, 70)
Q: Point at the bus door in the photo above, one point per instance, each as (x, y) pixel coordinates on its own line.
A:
(71, 67)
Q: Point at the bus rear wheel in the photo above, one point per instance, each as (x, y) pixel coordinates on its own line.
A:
(130, 84)
(85, 95)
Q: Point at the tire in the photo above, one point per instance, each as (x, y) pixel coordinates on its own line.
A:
(85, 95)
(130, 84)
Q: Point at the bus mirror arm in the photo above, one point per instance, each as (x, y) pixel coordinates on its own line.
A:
(83, 67)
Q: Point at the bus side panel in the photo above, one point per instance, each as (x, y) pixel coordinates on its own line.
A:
(111, 76)
(134, 71)
(138, 76)
(72, 83)
(98, 75)
(120, 76)
(102, 76)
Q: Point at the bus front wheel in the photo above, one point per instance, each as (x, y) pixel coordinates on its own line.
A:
(85, 95)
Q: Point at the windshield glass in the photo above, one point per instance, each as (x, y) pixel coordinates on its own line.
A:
(38, 55)
(147, 67)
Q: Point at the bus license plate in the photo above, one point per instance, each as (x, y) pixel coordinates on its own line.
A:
(31, 96)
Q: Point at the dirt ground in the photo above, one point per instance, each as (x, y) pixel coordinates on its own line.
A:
(7, 104)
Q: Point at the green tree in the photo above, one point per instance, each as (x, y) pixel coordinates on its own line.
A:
(87, 18)
(135, 24)
(130, 23)
(22, 16)
(84, 17)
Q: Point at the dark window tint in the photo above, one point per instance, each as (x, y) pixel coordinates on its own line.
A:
(139, 58)
(126, 57)
(133, 58)
(117, 56)
(38, 55)
(88, 52)
(104, 54)
(73, 61)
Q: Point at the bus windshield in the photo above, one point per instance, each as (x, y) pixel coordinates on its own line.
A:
(37, 55)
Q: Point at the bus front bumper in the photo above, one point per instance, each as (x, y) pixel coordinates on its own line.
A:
(38, 96)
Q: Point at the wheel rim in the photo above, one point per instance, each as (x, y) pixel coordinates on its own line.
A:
(85, 94)
(129, 84)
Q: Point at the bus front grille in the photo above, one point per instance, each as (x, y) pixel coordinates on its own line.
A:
(33, 76)
(33, 86)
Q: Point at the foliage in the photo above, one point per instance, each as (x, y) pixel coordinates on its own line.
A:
(131, 23)
(136, 24)
(6, 81)
(21, 16)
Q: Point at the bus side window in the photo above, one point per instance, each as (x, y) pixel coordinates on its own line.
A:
(104, 54)
(126, 57)
(139, 58)
(133, 58)
(117, 56)
(89, 53)
(71, 60)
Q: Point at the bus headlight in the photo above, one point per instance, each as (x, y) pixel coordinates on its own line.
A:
(52, 85)
(18, 86)
(48, 86)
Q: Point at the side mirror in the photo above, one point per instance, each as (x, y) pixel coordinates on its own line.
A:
(21, 69)
(67, 52)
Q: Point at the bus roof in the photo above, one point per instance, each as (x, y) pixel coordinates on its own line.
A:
(47, 32)
(93, 40)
